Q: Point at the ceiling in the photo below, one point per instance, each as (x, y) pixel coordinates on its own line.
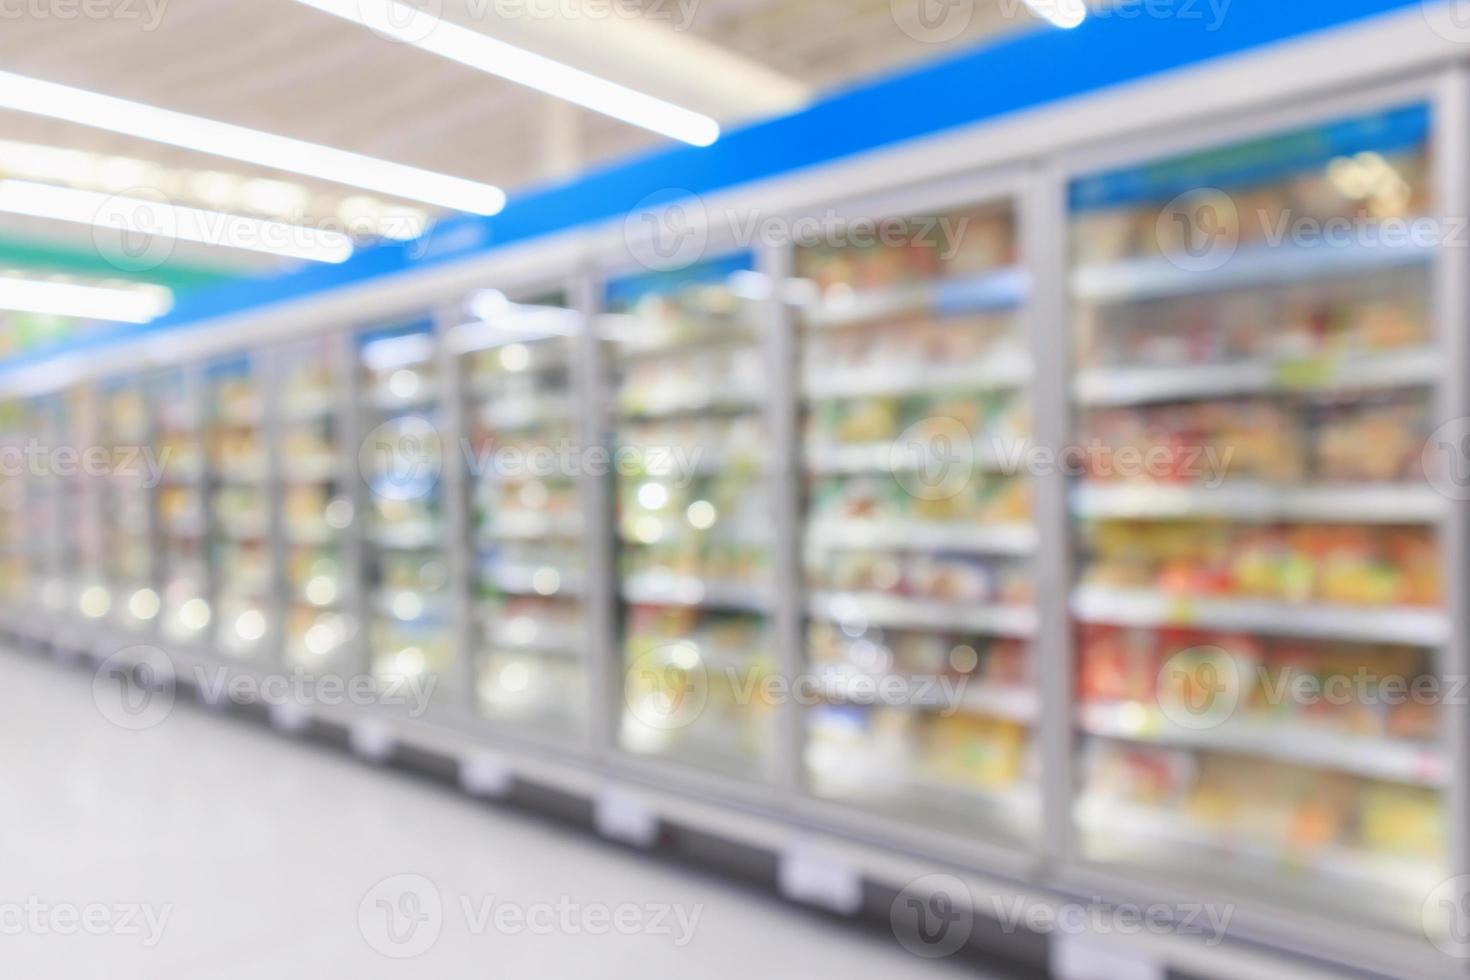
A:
(287, 68)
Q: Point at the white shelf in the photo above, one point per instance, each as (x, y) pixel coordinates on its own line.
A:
(521, 579)
(1344, 503)
(426, 396)
(888, 457)
(1146, 608)
(999, 290)
(432, 608)
(530, 527)
(979, 539)
(554, 638)
(1393, 760)
(1148, 384)
(658, 589)
(1012, 704)
(1262, 264)
(1009, 370)
(406, 537)
(900, 612)
(705, 398)
(527, 412)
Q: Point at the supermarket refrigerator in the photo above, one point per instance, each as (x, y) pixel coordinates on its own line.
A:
(1262, 548)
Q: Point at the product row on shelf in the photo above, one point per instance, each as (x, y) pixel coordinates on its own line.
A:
(854, 541)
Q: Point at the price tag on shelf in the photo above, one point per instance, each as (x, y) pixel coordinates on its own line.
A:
(621, 816)
(1180, 611)
(1086, 958)
(1307, 373)
(293, 719)
(486, 776)
(811, 878)
(372, 740)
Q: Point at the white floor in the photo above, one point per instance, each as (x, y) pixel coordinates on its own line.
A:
(269, 860)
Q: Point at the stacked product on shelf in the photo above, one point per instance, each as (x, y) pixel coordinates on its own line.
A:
(176, 403)
(1259, 589)
(693, 503)
(529, 623)
(402, 459)
(131, 597)
(316, 509)
(919, 536)
(238, 518)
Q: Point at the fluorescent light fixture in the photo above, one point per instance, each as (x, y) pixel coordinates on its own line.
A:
(1063, 13)
(137, 305)
(405, 23)
(164, 220)
(55, 101)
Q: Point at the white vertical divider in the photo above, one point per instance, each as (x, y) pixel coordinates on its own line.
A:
(1044, 250)
(603, 650)
(783, 485)
(271, 365)
(1451, 176)
(455, 488)
(355, 489)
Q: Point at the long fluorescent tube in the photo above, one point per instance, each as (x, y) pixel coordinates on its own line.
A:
(56, 101)
(429, 32)
(83, 302)
(1065, 14)
(139, 215)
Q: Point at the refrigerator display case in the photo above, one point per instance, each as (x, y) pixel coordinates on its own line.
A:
(1259, 560)
(693, 499)
(319, 582)
(238, 505)
(402, 458)
(528, 627)
(918, 539)
(176, 403)
(16, 536)
(127, 505)
(54, 554)
(78, 464)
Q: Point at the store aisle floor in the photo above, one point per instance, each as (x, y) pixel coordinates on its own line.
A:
(249, 856)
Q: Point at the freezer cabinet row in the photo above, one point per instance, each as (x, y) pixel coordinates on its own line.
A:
(745, 499)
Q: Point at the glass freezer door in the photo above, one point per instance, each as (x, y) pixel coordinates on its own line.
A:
(176, 403)
(919, 538)
(693, 525)
(529, 625)
(127, 522)
(1258, 555)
